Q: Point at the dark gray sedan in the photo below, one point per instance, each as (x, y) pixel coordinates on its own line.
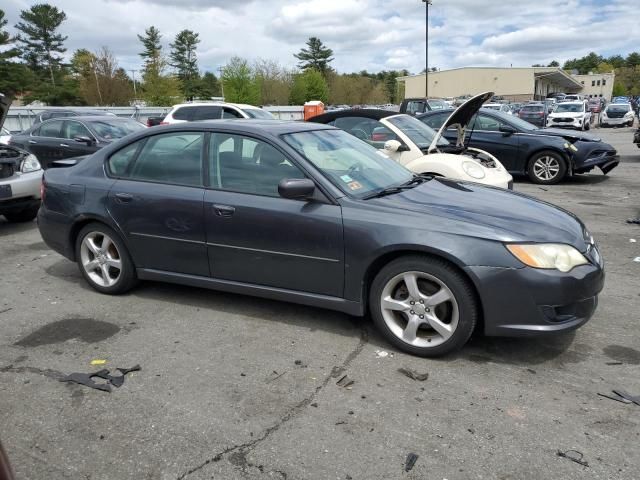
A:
(61, 138)
(308, 213)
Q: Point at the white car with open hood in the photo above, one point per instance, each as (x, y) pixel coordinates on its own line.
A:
(421, 149)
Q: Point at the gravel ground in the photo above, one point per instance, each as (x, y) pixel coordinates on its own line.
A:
(238, 387)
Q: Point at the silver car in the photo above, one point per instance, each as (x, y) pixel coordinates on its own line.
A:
(20, 178)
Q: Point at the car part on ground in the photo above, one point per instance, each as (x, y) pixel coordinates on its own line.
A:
(20, 179)
(518, 144)
(418, 147)
(61, 138)
(429, 257)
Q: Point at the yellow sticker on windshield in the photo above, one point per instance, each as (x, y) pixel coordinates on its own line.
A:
(354, 185)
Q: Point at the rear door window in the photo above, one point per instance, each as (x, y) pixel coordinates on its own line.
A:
(207, 113)
(73, 129)
(174, 158)
(184, 113)
(50, 129)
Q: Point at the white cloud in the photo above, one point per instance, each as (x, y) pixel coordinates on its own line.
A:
(364, 34)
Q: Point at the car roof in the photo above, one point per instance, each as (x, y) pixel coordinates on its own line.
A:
(87, 118)
(374, 113)
(273, 127)
(207, 104)
(579, 102)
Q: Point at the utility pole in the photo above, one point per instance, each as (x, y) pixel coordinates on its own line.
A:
(95, 73)
(133, 75)
(221, 70)
(426, 50)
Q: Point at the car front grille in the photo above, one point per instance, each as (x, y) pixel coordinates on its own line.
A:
(6, 170)
(564, 120)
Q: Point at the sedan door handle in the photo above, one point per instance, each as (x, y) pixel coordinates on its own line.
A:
(224, 210)
(124, 197)
(33, 142)
(64, 145)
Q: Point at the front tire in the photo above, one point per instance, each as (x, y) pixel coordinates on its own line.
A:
(423, 306)
(104, 260)
(547, 168)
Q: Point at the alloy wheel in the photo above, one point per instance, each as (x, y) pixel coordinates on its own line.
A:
(419, 309)
(546, 168)
(101, 259)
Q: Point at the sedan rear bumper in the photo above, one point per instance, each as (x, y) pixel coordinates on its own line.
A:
(528, 301)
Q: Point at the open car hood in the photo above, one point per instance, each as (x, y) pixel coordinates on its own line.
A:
(5, 103)
(461, 117)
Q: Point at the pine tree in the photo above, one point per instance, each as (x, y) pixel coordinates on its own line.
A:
(40, 40)
(317, 56)
(152, 48)
(184, 59)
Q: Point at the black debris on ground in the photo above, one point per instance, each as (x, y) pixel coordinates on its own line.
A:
(412, 458)
(345, 382)
(614, 397)
(574, 456)
(412, 374)
(635, 221)
(627, 396)
(615, 363)
(86, 379)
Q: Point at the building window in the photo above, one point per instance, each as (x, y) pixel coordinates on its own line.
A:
(598, 82)
(593, 83)
(604, 82)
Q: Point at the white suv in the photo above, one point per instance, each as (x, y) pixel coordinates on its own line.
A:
(570, 115)
(189, 112)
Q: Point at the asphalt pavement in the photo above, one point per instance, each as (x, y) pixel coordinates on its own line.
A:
(238, 387)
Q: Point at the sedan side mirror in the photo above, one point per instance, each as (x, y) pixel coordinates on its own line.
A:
(296, 188)
(393, 146)
(507, 129)
(84, 139)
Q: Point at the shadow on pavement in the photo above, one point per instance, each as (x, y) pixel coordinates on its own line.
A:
(7, 228)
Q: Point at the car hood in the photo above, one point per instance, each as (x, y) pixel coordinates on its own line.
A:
(569, 135)
(5, 103)
(461, 116)
(475, 210)
(567, 114)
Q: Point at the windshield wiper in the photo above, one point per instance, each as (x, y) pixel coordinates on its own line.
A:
(415, 180)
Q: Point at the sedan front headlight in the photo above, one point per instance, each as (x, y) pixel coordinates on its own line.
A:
(473, 169)
(30, 164)
(548, 255)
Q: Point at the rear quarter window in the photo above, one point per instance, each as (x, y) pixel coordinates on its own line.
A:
(184, 113)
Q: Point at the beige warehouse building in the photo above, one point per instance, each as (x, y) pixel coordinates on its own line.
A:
(515, 84)
(596, 84)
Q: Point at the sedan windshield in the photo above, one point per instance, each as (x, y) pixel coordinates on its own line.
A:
(116, 128)
(569, 108)
(354, 166)
(258, 113)
(419, 133)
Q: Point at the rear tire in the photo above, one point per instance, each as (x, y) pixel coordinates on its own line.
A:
(104, 260)
(26, 215)
(547, 168)
(444, 311)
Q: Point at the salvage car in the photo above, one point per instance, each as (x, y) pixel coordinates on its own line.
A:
(61, 138)
(570, 115)
(20, 178)
(189, 112)
(546, 155)
(534, 113)
(617, 115)
(418, 147)
(66, 113)
(307, 213)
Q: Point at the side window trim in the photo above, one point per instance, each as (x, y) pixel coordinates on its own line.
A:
(107, 165)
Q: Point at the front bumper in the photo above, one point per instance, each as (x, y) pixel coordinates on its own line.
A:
(615, 121)
(604, 161)
(565, 122)
(495, 178)
(25, 191)
(528, 301)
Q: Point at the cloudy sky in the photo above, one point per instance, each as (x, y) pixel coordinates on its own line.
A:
(364, 34)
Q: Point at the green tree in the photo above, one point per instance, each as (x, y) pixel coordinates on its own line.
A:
(309, 85)
(184, 59)
(7, 52)
(584, 65)
(14, 77)
(158, 88)
(208, 86)
(101, 80)
(41, 44)
(554, 63)
(316, 56)
(239, 82)
(616, 60)
(633, 59)
(618, 89)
